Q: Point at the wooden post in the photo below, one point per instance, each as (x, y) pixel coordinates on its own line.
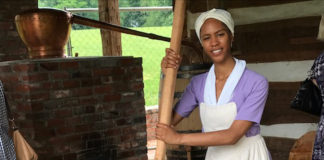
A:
(111, 41)
(166, 100)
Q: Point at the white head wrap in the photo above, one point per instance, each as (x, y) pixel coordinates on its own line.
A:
(218, 14)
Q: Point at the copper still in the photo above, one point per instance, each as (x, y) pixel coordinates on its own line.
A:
(45, 31)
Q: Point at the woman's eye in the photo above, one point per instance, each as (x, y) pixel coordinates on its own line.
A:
(205, 38)
(220, 34)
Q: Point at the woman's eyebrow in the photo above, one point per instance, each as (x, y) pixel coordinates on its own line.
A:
(224, 29)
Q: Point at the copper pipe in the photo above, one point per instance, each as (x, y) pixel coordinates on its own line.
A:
(103, 25)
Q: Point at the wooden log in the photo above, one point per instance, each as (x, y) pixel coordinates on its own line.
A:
(111, 41)
(278, 110)
(166, 100)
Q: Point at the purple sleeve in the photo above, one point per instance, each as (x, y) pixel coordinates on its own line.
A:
(252, 108)
(188, 101)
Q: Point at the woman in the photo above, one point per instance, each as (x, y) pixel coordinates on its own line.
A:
(231, 98)
(7, 150)
(317, 75)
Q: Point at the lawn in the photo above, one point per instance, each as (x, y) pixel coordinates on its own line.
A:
(88, 43)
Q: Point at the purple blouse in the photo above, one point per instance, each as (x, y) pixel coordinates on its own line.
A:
(250, 95)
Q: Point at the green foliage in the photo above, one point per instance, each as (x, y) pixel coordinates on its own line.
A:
(127, 19)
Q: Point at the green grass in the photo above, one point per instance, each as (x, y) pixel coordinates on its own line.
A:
(88, 43)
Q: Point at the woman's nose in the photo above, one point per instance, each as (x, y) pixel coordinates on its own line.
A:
(214, 41)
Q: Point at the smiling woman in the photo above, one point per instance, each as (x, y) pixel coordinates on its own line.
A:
(231, 98)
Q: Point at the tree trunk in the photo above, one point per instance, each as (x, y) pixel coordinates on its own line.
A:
(111, 40)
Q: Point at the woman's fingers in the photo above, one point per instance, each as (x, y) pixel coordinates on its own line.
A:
(172, 59)
(167, 134)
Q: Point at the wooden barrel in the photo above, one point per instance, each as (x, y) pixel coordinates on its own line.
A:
(303, 147)
(192, 124)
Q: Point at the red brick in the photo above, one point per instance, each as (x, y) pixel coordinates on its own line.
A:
(57, 140)
(125, 154)
(90, 82)
(102, 72)
(35, 77)
(22, 88)
(112, 98)
(37, 106)
(42, 133)
(61, 94)
(124, 145)
(113, 132)
(24, 67)
(16, 96)
(71, 83)
(60, 75)
(35, 86)
(24, 107)
(73, 121)
(25, 124)
(82, 92)
(103, 89)
(126, 62)
(90, 100)
(5, 25)
(83, 128)
(4, 69)
(53, 123)
(137, 69)
(129, 112)
(9, 78)
(50, 66)
(69, 65)
(138, 86)
(62, 113)
(39, 96)
(65, 130)
(70, 156)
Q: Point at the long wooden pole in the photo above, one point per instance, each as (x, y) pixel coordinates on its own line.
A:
(166, 100)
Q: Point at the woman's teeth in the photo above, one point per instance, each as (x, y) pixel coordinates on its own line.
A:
(216, 51)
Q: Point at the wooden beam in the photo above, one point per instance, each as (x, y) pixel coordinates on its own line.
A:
(111, 41)
(166, 100)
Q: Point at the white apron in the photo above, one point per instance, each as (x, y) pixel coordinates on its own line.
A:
(221, 117)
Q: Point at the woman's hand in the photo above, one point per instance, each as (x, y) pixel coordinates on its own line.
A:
(170, 60)
(167, 134)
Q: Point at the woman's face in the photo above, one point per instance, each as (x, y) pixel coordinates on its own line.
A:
(216, 40)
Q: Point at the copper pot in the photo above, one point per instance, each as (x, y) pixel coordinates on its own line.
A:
(44, 31)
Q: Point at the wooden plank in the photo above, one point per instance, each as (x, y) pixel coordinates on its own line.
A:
(311, 21)
(255, 3)
(200, 6)
(278, 110)
(285, 40)
(279, 148)
(298, 55)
